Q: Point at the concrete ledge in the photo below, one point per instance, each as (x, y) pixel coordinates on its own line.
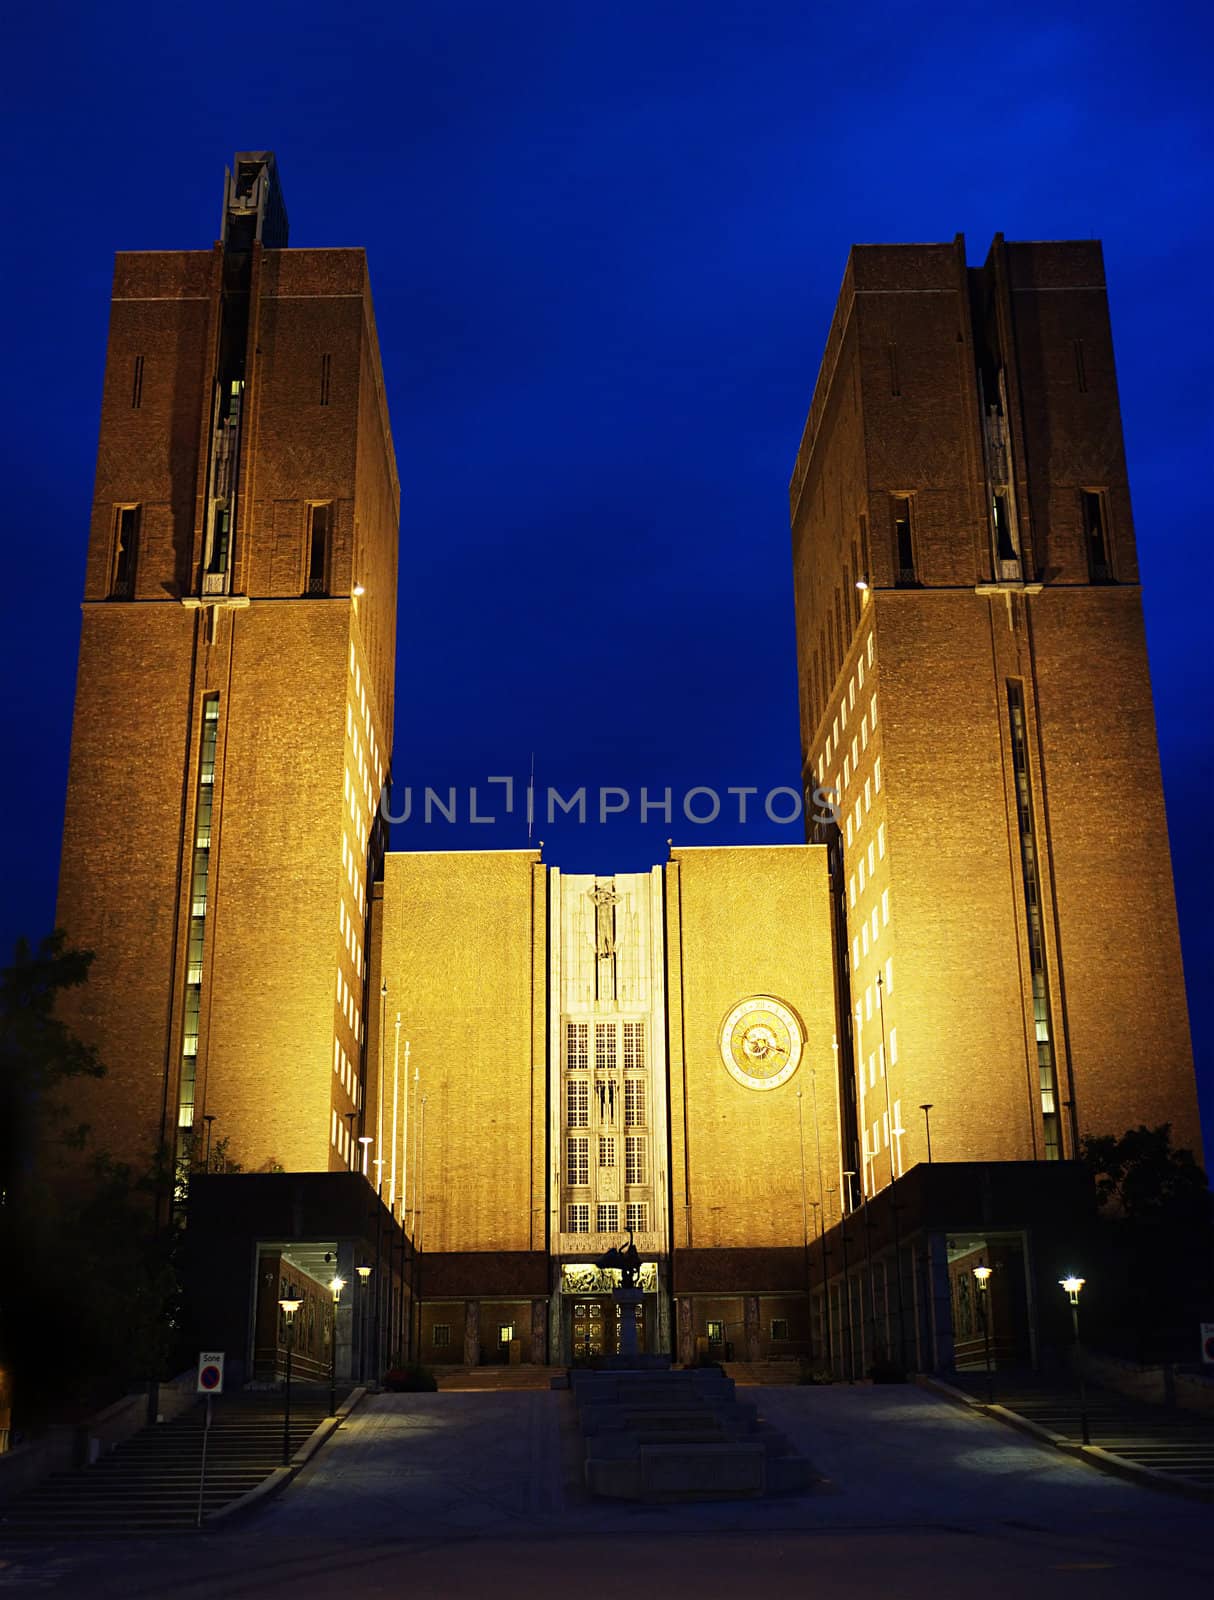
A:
(1094, 1454)
(280, 1477)
(1149, 1477)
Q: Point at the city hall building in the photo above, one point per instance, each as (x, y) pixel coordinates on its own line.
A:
(816, 1083)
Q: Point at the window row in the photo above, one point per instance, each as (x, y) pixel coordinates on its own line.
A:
(607, 1095)
(577, 1158)
(607, 1217)
(616, 1044)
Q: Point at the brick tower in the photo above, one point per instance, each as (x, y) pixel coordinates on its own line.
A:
(975, 689)
(234, 700)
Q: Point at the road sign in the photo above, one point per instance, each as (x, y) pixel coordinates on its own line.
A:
(210, 1372)
(1207, 1343)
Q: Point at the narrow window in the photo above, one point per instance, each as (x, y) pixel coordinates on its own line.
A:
(578, 1093)
(1005, 547)
(579, 1219)
(1081, 371)
(634, 1159)
(126, 546)
(440, 1335)
(895, 386)
(634, 1102)
(577, 1161)
(320, 518)
(606, 1150)
(779, 1329)
(904, 548)
(137, 384)
(577, 1044)
(636, 1214)
(609, 1218)
(1095, 538)
(604, 1046)
(326, 364)
(634, 1046)
(716, 1333)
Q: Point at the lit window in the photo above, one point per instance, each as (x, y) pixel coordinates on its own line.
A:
(579, 1218)
(855, 952)
(877, 775)
(889, 976)
(634, 1045)
(843, 712)
(851, 692)
(872, 1069)
(606, 1150)
(609, 1219)
(834, 732)
(881, 842)
(855, 750)
(864, 731)
(577, 1092)
(869, 650)
(577, 1161)
(636, 1214)
(868, 794)
(860, 672)
(577, 1045)
(885, 908)
(634, 1159)
(846, 771)
(872, 709)
(604, 1046)
(634, 1103)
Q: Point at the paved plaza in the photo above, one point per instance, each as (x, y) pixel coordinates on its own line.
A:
(478, 1494)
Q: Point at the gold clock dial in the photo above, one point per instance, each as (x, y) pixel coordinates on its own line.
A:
(761, 1042)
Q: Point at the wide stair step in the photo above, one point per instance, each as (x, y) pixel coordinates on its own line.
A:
(150, 1483)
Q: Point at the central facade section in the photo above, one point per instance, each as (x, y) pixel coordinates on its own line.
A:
(608, 1135)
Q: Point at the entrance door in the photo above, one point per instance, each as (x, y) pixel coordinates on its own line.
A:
(595, 1327)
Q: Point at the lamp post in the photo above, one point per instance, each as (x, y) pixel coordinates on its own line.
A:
(364, 1274)
(927, 1119)
(982, 1274)
(366, 1141)
(336, 1286)
(289, 1308)
(1072, 1285)
(805, 1227)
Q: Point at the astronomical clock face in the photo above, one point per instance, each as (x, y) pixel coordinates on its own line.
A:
(761, 1043)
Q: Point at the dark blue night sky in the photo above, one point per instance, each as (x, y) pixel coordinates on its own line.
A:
(605, 244)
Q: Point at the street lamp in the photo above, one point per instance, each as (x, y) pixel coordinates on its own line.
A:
(336, 1286)
(983, 1275)
(366, 1141)
(1073, 1285)
(364, 1274)
(289, 1307)
(927, 1118)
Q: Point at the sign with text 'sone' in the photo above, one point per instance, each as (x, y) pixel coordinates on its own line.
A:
(210, 1372)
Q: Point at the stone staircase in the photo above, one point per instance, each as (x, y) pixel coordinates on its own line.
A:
(675, 1436)
(150, 1483)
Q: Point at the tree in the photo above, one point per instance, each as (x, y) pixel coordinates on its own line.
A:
(91, 1293)
(1157, 1276)
(39, 1054)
